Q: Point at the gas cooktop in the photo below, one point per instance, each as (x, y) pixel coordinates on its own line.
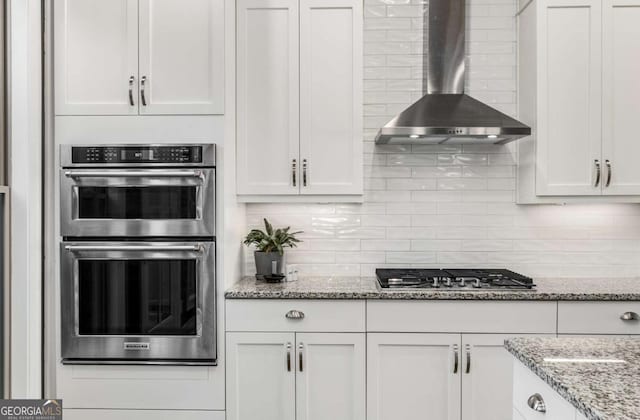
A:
(453, 279)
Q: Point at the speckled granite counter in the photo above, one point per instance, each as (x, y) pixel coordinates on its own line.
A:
(367, 288)
(600, 391)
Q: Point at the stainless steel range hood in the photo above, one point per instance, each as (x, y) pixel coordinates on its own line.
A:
(445, 114)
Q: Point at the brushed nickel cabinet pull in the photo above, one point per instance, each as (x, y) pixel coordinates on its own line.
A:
(455, 358)
(288, 357)
(598, 172)
(468, 349)
(294, 314)
(131, 101)
(629, 316)
(304, 172)
(536, 403)
(293, 171)
(300, 348)
(609, 172)
(143, 80)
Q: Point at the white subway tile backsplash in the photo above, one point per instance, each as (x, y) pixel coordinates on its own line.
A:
(448, 205)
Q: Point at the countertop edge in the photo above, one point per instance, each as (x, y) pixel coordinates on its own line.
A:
(556, 385)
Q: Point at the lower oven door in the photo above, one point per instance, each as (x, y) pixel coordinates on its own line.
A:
(138, 302)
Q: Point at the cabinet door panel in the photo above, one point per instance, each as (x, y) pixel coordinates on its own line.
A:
(182, 56)
(268, 97)
(487, 378)
(259, 384)
(569, 106)
(96, 54)
(331, 96)
(411, 377)
(330, 382)
(621, 107)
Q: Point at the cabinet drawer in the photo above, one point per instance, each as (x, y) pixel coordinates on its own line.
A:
(462, 316)
(598, 318)
(319, 315)
(527, 384)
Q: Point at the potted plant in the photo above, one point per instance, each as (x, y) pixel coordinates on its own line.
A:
(270, 245)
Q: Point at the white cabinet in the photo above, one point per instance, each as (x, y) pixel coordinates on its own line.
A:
(527, 385)
(621, 94)
(268, 134)
(330, 378)
(299, 106)
(181, 56)
(130, 57)
(260, 376)
(577, 64)
(96, 56)
(411, 376)
(303, 376)
(487, 378)
(93, 414)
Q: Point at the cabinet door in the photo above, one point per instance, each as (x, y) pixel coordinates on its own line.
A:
(569, 105)
(267, 97)
(182, 57)
(487, 378)
(331, 96)
(96, 59)
(621, 106)
(330, 382)
(413, 376)
(260, 376)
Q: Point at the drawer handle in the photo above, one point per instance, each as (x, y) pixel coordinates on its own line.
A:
(536, 403)
(294, 314)
(629, 316)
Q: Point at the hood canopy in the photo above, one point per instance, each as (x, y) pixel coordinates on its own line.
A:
(445, 113)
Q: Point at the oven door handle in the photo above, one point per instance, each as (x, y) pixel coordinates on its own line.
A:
(162, 248)
(173, 174)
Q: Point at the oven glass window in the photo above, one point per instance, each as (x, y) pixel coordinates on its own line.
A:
(162, 202)
(137, 297)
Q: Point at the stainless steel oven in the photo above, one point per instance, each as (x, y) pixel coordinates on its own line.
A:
(128, 302)
(138, 254)
(137, 190)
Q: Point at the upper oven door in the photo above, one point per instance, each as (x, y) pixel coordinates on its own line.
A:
(137, 202)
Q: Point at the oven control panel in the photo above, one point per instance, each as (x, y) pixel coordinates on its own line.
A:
(136, 154)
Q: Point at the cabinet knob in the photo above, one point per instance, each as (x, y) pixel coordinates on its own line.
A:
(536, 403)
(294, 314)
(629, 316)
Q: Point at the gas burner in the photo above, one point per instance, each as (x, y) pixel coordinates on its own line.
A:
(453, 279)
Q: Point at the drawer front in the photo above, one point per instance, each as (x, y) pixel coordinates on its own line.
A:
(526, 384)
(462, 316)
(295, 315)
(599, 317)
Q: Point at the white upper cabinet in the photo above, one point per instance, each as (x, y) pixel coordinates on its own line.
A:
(331, 96)
(96, 57)
(621, 107)
(569, 105)
(578, 61)
(181, 47)
(130, 57)
(268, 97)
(299, 103)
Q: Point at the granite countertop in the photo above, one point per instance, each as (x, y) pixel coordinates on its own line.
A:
(606, 387)
(619, 289)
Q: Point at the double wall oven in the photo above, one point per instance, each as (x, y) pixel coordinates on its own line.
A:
(138, 254)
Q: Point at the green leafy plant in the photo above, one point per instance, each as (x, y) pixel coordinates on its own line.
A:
(271, 240)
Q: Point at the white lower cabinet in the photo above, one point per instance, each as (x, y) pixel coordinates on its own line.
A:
(413, 376)
(303, 376)
(528, 386)
(82, 414)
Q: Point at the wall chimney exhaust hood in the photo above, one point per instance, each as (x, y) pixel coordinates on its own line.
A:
(445, 114)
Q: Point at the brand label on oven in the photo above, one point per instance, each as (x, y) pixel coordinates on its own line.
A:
(136, 346)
